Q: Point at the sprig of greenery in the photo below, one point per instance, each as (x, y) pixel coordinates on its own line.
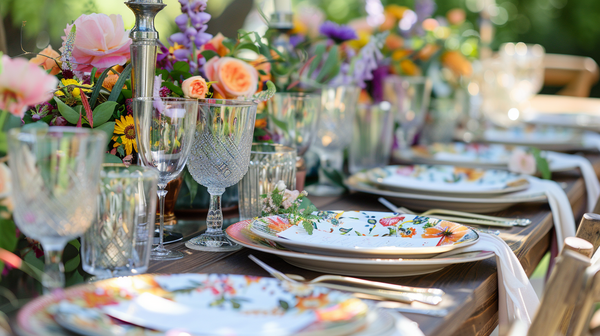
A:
(541, 163)
(299, 210)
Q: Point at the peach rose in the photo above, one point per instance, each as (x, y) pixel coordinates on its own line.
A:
(458, 63)
(233, 78)
(194, 87)
(456, 16)
(47, 59)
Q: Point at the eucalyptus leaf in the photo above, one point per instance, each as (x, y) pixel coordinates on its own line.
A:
(109, 158)
(191, 184)
(249, 46)
(108, 128)
(36, 125)
(103, 112)
(8, 238)
(66, 111)
(319, 51)
(208, 54)
(331, 65)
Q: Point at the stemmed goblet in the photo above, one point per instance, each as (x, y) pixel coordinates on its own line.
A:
(165, 130)
(219, 159)
(55, 184)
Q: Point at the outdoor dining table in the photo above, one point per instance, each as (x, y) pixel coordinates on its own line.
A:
(472, 288)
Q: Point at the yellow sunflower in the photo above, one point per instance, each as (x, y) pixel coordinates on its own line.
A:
(125, 130)
(75, 91)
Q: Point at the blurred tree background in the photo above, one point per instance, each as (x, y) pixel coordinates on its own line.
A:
(561, 26)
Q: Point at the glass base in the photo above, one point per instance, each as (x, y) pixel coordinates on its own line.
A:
(159, 254)
(322, 189)
(212, 242)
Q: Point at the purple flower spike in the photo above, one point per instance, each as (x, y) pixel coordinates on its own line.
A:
(338, 33)
(190, 32)
(181, 54)
(296, 39)
(181, 21)
(179, 38)
(202, 38)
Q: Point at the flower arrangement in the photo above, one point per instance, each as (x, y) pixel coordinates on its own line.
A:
(529, 161)
(290, 203)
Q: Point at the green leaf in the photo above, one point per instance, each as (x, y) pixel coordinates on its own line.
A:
(208, 54)
(74, 279)
(121, 150)
(103, 112)
(97, 88)
(284, 305)
(181, 66)
(331, 66)
(36, 125)
(72, 264)
(319, 51)
(191, 184)
(229, 44)
(66, 111)
(93, 75)
(335, 176)
(542, 164)
(307, 224)
(116, 91)
(8, 238)
(249, 46)
(109, 158)
(108, 128)
(126, 93)
(176, 89)
(33, 261)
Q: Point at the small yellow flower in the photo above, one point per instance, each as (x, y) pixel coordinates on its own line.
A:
(75, 91)
(124, 129)
(363, 39)
(396, 11)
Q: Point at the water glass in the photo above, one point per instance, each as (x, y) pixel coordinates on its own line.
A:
(334, 133)
(269, 164)
(120, 239)
(372, 137)
(409, 97)
(164, 129)
(55, 185)
(219, 159)
(525, 64)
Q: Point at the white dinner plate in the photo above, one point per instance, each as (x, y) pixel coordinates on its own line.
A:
(369, 267)
(574, 120)
(447, 180)
(545, 138)
(413, 201)
(368, 234)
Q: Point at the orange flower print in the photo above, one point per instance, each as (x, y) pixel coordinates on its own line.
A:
(277, 223)
(447, 231)
(390, 221)
(408, 233)
(94, 299)
(470, 173)
(312, 302)
(251, 279)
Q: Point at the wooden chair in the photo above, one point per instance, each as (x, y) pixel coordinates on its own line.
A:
(577, 74)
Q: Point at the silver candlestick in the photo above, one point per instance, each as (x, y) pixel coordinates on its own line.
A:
(144, 46)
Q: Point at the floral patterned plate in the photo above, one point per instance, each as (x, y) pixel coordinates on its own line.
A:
(368, 234)
(443, 179)
(201, 304)
(369, 267)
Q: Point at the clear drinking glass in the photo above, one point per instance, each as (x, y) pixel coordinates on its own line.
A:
(55, 184)
(219, 159)
(372, 138)
(293, 119)
(165, 132)
(525, 64)
(410, 99)
(120, 239)
(334, 132)
(269, 164)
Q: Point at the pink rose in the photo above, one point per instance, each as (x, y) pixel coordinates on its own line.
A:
(23, 84)
(194, 87)
(522, 162)
(289, 197)
(101, 41)
(233, 78)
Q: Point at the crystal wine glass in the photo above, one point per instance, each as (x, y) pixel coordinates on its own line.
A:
(165, 130)
(219, 159)
(55, 184)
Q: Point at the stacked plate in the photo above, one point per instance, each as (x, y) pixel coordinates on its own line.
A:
(203, 304)
(423, 187)
(362, 243)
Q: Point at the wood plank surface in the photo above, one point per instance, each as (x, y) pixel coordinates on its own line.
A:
(471, 288)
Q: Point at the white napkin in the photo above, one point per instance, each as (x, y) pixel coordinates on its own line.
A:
(516, 297)
(587, 171)
(562, 213)
(154, 312)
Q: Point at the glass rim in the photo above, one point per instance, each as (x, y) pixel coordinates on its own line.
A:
(226, 102)
(146, 170)
(178, 99)
(42, 132)
(287, 149)
(300, 95)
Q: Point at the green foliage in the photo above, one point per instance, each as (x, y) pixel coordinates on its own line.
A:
(116, 91)
(103, 112)
(68, 112)
(335, 176)
(191, 184)
(541, 163)
(300, 211)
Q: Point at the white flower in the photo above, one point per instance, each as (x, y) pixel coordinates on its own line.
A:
(304, 193)
(522, 162)
(280, 186)
(289, 196)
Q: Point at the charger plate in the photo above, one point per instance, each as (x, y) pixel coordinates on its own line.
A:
(414, 201)
(474, 155)
(447, 180)
(265, 306)
(368, 234)
(369, 267)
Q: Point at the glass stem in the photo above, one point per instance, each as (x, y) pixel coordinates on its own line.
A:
(54, 270)
(214, 220)
(162, 193)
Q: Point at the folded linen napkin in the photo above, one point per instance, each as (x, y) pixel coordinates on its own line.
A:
(587, 171)
(516, 297)
(562, 213)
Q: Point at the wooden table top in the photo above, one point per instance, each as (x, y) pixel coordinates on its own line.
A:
(472, 288)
